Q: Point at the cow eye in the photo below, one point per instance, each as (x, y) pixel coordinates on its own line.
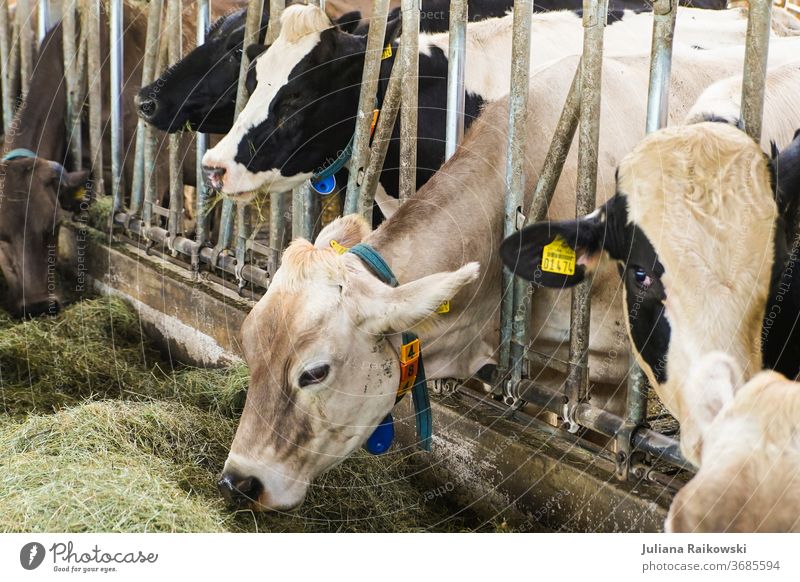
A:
(313, 375)
(642, 278)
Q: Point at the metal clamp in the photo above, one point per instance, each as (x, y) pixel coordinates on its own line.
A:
(628, 461)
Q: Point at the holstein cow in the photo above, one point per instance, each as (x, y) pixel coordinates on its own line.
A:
(200, 90)
(301, 116)
(34, 183)
(322, 344)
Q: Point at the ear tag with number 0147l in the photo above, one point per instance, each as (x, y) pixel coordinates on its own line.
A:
(558, 257)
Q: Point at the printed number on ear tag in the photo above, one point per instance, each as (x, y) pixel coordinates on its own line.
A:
(387, 52)
(558, 257)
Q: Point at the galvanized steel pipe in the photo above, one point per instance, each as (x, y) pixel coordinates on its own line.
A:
(116, 48)
(72, 81)
(24, 24)
(408, 59)
(175, 223)
(755, 66)
(457, 57)
(92, 27)
(5, 65)
(42, 20)
(664, 14)
(201, 139)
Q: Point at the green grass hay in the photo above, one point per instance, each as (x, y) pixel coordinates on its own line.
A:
(98, 433)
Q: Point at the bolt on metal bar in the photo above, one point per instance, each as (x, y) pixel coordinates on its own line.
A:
(72, 81)
(5, 61)
(24, 17)
(116, 48)
(457, 56)
(95, 75)
(514, 314)
(408, 59)
(144, 132)
(755, 66)
(149, 136)
(175, 221)
(366, 102)
(42, 20)
(252, 25)
(594, 23)
(664, 14)
(201, 139)
(557, 153)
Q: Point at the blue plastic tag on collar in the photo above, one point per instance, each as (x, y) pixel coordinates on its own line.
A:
(324, 186)
(18, 153)
(382, 437)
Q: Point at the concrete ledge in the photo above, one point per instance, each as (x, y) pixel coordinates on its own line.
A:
(533, 477)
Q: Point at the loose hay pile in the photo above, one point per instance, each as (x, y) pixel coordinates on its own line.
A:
(98, 433)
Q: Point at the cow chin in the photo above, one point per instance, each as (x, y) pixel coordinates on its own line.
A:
(239, 182)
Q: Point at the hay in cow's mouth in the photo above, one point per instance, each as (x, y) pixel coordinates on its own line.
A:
(99, 433)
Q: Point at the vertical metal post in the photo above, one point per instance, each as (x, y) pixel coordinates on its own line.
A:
(5, 69)
(755, 66)
(664, 15)
(24, 15)
(144, 131)
(594, 22)
(409, 64)
(175, 222)
(73, 81)
(149, 140)
(514, 325)
(116, 48)
(366, 102)
(95, 77)
(277, 201)
(42, 20)
(201, 139)
(457, 53)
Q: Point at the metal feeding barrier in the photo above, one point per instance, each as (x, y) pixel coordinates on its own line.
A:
(229, 247)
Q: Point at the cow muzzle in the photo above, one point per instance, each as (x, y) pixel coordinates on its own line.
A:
(215, 176)
(240, 492)
(146, 107)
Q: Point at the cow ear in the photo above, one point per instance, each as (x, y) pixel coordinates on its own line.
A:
(254, 50)
(346, 232)
(555, 254)
(349, 21)
(381, 309)
(71, 187)
(710, 385)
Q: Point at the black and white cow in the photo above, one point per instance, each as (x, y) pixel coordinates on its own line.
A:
(301, 115)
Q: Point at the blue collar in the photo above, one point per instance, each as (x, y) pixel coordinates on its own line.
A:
(19, 153)
(412, 372)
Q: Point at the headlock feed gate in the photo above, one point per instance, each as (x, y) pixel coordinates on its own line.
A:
(239, 247)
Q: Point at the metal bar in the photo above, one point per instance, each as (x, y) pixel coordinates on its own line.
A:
(14, 73)
(95, 75)
(116, 48)
(5, 62)
(408, 60)
(755, 66)
(175, 222)
(643, 439)
(24, 16)
(274, 28)
(457, 54)
(149, 139)
(594, 22)
(514, 315)
(72, 80)
(277, 201)
(557, 153)
(381, 139)
(42, 20)
(664, 14)
(201, 139)
(366, 102)
(148, 75)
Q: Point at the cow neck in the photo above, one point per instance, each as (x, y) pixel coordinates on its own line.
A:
(43, 132)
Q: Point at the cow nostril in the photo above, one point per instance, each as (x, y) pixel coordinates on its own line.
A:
(214, 176)
(240, 491)
(147, 107)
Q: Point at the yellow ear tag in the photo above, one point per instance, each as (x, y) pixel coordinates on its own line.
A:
(375, 113)
(79, 194)
(387, 52)
(444, 307)
(558, 257)
(338, 248)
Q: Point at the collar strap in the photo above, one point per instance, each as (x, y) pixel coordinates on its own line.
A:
(19, 153)
(412, 371)
(345, 155)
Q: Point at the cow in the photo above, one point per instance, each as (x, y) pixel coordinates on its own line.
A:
(748, 450)
(322, 342)
(301, 116)
(35, 187)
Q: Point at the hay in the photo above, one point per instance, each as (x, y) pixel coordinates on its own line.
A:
(98, 433)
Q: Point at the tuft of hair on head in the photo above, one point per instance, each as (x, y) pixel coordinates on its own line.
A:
(299, 20)
(302, 261)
